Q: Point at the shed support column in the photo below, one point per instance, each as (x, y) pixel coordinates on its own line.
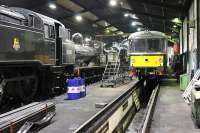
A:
(198, 31)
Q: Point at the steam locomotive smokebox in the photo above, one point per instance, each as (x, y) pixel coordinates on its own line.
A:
(58, 79)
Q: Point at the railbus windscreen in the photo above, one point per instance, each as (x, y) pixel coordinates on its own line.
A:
(147, 45)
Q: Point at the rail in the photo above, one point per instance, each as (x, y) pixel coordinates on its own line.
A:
(37, 114)
(103, 121)
(150, 110)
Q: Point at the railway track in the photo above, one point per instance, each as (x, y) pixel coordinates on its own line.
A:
(27, 118)
(117, 115)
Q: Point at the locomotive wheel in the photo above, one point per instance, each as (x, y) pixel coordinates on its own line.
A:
(28, 89)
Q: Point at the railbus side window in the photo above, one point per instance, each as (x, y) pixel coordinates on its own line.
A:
(31, 20)
(9, 19)
(52, 32)
(46, 31)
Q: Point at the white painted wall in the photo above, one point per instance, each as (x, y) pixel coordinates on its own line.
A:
(181, 41)
(185, 35)
(170, 53)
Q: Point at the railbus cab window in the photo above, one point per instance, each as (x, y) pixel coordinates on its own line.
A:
(154, 45)
(147, 45)
(137, 45)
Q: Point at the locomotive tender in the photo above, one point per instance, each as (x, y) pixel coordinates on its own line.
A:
(147, 52)
(35, 50)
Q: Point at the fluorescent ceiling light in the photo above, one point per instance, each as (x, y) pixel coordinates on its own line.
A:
(106, 24)
(120, 33)
(113, 3)
(78, 18)
(107, 31)
(139, 29)
(126, 15)
(176, 20)
(52, 6)
(133, 23)
(133, 16)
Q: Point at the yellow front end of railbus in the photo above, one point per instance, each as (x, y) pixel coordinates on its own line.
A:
(146, 61)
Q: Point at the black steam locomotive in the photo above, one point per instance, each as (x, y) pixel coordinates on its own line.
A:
(35, 51)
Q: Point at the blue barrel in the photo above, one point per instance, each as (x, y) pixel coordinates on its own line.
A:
(73, 91)
(82, 88)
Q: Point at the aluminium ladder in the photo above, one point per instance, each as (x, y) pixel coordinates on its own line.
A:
(111, 72)
(187, 93)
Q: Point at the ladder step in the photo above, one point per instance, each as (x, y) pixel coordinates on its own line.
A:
(187, 93)
(109, 71)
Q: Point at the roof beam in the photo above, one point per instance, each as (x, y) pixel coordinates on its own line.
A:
(107, 19)
(178, 8)
(71, 12)
(147, 14)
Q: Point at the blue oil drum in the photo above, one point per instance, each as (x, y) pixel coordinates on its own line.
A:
(73, 91)
(82, 88)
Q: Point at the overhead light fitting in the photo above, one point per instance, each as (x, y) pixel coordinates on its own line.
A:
(107, 31)
(106, 24)
(52, 6)
(176, 20)
(126, 15)
(113, 3)
(78, 18)
(133, 16)
(139, 29)
(133, 23)
(120, 33)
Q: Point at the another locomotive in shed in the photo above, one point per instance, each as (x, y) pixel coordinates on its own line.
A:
(148, 52)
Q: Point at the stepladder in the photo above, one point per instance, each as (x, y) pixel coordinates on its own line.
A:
(187, 93)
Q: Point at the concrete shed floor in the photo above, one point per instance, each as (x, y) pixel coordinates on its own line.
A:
(172, 114)
(72, 114)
